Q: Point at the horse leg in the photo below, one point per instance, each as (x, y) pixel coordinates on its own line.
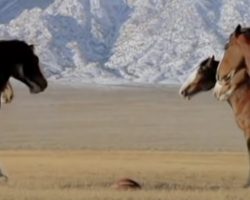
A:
(7, 94)
(248, 149)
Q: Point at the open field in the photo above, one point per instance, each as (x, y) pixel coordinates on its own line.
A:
(144, 118)
(88, 175)
(73, 143)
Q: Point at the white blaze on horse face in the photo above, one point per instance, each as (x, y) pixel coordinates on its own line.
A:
(188, 81)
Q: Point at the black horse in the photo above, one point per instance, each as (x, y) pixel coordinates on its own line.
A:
(18, 60)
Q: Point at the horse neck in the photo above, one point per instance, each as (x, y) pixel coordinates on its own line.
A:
(240, 98)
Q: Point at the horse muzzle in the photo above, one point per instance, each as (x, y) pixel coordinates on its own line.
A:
(183, 92)
(38, 85)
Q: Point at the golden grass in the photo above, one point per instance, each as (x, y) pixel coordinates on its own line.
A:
(55, 175)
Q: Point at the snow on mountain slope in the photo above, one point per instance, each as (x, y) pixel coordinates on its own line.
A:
(164, 39)
(122, 41)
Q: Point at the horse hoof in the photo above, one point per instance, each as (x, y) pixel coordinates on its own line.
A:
(7, 99)
(126, 184)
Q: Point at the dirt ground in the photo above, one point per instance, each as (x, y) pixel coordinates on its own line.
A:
(118, 117)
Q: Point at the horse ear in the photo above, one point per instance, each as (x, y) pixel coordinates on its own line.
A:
(209, 61)
(237, 30)
(32, 47)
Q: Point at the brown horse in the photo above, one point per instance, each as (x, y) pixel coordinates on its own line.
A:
(236, 57)
(238, 100)
(201, 79)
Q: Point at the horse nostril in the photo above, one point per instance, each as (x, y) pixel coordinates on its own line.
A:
(183, 93)
(45, 84)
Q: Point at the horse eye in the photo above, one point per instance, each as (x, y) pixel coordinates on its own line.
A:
(36, 59)
(202, 68)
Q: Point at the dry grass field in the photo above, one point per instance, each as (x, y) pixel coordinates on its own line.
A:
(63, 175)
(74, 143)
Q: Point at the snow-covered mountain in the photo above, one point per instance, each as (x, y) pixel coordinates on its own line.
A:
(122, 41)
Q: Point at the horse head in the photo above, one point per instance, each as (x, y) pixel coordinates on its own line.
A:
(201, 79)
(231, 71)
(27, 69)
